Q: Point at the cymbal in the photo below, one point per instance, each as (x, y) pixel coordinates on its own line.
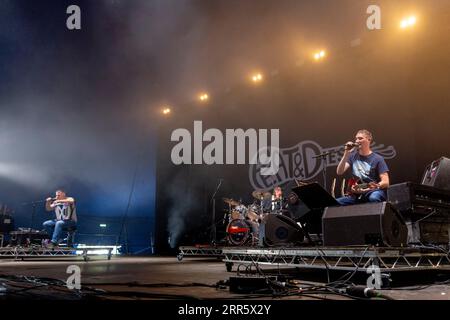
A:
(231, 202)
(258, 194)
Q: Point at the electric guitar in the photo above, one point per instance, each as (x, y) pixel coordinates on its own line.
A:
(355, 185)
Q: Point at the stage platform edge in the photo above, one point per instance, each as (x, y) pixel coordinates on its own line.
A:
(386, 259)
(39, 252)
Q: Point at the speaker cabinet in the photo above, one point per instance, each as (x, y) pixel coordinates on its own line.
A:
(282, 230)
(364, 224)
(437, 174)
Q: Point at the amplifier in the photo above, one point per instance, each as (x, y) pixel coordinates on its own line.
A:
(437, 174)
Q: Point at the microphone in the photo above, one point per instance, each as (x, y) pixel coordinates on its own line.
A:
(351, 145)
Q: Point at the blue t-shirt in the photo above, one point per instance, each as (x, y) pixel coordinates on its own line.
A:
(367, 168)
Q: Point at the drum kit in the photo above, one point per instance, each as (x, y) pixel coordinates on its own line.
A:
(244, 221)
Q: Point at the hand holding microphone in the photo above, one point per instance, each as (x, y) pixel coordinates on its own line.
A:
(350, 145)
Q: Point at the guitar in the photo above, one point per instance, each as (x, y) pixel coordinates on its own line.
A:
(355, 186)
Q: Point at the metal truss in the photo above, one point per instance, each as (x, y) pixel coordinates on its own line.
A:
(21, 253)
(347, 259)
(207, 251)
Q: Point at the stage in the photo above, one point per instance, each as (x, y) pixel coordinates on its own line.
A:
(252, 152)
(196, 278)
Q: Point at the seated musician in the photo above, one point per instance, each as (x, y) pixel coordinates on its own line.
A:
(65, 215)
(369, 169)
(273, 203)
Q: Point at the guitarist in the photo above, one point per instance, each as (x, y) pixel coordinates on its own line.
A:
(368, 167)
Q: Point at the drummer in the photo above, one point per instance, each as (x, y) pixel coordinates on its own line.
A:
(270, 204)
(274, 203)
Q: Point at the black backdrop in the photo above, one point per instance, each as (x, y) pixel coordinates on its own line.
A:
(397, 89)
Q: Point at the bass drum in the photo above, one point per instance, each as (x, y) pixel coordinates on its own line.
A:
(238, 232)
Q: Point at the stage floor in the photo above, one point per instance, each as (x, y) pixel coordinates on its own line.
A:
(166, 277)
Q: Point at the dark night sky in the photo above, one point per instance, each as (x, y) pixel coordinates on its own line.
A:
(80, 109)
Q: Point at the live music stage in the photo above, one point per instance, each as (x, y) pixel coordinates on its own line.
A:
(278, 150)
(194, 278)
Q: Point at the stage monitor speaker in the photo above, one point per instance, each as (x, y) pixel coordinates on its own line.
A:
(282, 230)
(364, 224)
(437, 174)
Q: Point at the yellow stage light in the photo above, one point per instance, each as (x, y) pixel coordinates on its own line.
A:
(203, 97)
(319, 55)
(412, 20)
(408, 22)
(257, 77)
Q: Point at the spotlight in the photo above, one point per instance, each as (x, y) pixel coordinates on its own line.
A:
(203, 97)
(408, 22)
(166, 110)
(319, 55)
(257, 77)
(412, 20)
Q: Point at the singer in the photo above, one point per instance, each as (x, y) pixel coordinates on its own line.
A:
(370, 171)
(65, 216)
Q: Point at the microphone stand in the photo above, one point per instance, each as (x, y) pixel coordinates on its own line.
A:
(214, 227)
(33, 210)
(322, 157)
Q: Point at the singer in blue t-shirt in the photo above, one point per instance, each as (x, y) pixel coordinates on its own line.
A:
(370, 172)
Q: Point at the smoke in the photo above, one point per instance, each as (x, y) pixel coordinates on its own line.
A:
(176, 224)
(188, 203)
(24, 175)
(182, 202)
